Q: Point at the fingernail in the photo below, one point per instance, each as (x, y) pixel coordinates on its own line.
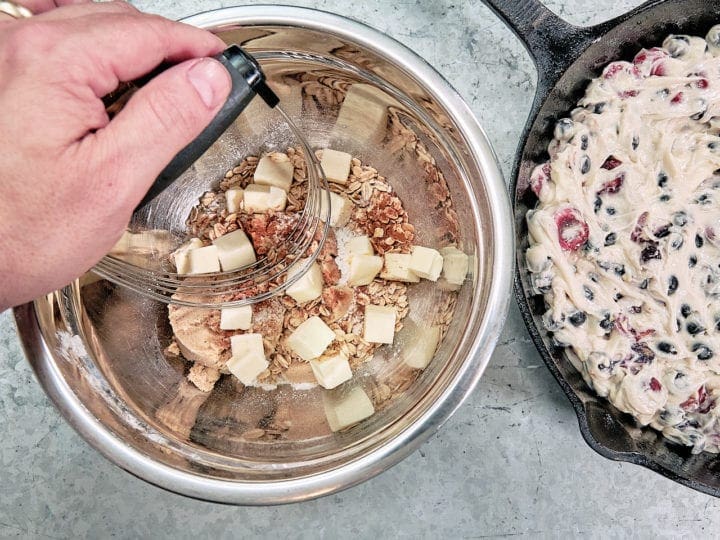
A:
(210, 80)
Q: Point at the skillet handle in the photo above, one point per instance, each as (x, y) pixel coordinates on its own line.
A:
(553, 43)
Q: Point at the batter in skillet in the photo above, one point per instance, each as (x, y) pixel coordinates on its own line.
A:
(625, 242)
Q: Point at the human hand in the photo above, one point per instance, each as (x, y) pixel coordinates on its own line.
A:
(69, 177)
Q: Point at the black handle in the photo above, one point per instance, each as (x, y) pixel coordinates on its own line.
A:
(247, 82)
(553, 43)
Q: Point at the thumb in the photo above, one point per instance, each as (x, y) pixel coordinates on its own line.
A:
(162, 118)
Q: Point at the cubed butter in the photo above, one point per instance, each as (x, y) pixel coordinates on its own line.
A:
(444, 285)
(122, 246)
(259, 199)
(274, 170)
(379, 324)
(344, 409)
(234, 200)
(331, 370)
(311, 338)
(426, 262)
(340, 208)
(234, 250)
(363, 116)
(182, 259)
(144, 248)
(336, 166)
(88, 278)
(203, 260)
(455, 265)
(236, 318)
(248, 358)
(129, 242)
(308, 287)
(421, 345)
(397, 268)
(363, 269)
(360, 245)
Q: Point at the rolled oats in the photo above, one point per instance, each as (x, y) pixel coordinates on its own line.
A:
(378, 213)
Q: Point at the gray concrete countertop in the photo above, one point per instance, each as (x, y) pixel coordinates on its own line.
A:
(511, 462)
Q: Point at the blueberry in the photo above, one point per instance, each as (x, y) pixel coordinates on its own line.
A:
(694, 328)
(610, 211)
(644, 284)
(619, 296)
(663, 231)
(563, 129)
(713, 36)
(680, 219)
(650, 252)
(635, 142)
(551, 323)
(699, 241)
(588, 293)
(664, 197)
(672, 285)
(606, 324)
(677, 46)
(703, 351)
(645, 355)
(598, 108)
(620, 269)
(685, 310)
(585, 165)
(610, 239)
(597, 204)
(703, 109)
(584, 142)
(692, 261)
(676, 242)
(662, 179)
(666, 347)
(577, 318)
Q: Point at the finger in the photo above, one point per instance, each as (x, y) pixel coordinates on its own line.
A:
(123, 47)
(69, 9)
(41, 6)
(160, 120)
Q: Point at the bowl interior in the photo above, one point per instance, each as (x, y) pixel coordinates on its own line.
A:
(606, 429)
(122, 375)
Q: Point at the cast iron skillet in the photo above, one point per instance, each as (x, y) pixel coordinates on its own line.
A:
(567, 57)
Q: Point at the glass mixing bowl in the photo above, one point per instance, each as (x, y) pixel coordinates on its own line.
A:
(97, 348)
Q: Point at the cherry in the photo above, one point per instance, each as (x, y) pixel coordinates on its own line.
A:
(573, 231)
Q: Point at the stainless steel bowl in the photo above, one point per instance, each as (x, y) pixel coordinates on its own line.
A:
(97, 350)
